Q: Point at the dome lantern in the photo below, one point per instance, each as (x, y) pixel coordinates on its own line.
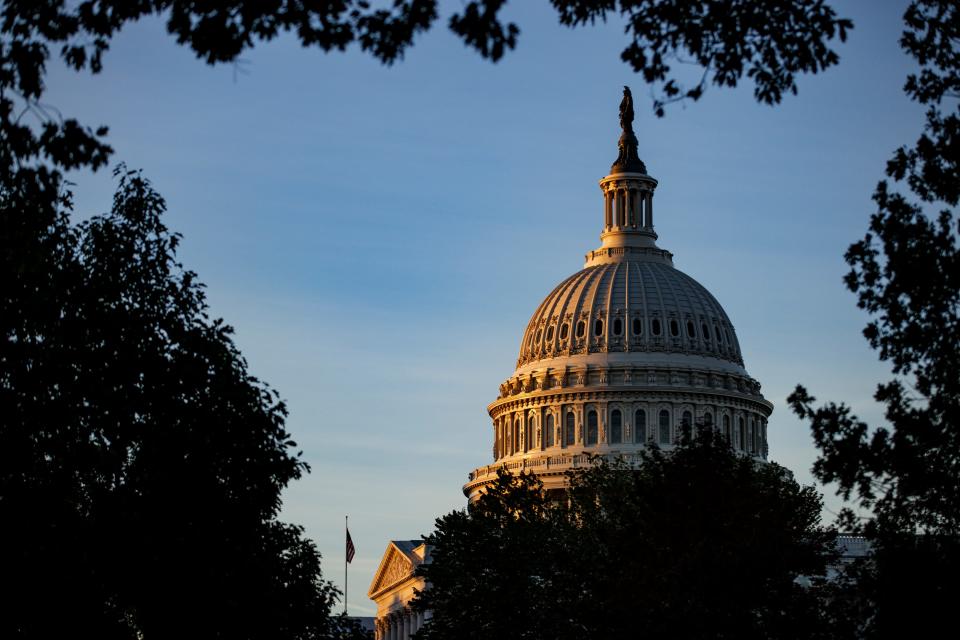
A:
(627, 200)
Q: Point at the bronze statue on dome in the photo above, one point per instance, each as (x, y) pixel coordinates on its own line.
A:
(627, 159)
(626, 110)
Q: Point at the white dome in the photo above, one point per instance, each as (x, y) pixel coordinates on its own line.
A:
(625, 353)
(638, 306)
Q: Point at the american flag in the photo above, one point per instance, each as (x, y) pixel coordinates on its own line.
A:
(351, 550)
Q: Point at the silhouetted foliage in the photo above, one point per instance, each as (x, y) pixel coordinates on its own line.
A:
(768, 42)
(140, 464)
(906, 274)
(696, 542)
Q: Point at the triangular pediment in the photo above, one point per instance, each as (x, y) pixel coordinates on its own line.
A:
(395, 566)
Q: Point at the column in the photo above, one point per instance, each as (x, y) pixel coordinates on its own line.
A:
(607, 209)
(637, 208)
(621, 208)
(650, 210)
(522, 441)
(641, 195)
(628, 207)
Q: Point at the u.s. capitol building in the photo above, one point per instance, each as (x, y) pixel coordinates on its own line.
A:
(625, 352)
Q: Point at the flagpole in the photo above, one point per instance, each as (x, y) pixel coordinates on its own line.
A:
(346, 528)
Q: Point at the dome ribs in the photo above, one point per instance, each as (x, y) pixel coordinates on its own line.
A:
(643, 301)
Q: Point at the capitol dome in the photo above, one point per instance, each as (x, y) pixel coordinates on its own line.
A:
(627, 352)
(643, 304)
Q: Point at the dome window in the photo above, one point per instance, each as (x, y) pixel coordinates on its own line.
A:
(687, 421)
(598, 327)
(674, 328)
(616, 427)
(564, 331)
(592, 427)
(664, 427)
(617, 326)
(640, 426)
(716, 332)
(537, 338)
(656, 326)
(637, 326)
(581, 329)
(691, 331)
(550, 334)
(705, 330)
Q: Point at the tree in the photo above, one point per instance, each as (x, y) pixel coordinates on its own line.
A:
(141, 464)
(695, 542)
(769, 43)
(906, 275)
(118, 393)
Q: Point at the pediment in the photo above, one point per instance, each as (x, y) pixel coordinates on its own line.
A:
(395, 567)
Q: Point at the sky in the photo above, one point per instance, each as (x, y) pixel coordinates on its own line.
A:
(379, 236)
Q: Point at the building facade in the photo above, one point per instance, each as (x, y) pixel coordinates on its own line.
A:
(626, 352)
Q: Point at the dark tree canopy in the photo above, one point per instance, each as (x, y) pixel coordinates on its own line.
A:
(767, 42)
(141, 464)
(697, 542)
(905, 273)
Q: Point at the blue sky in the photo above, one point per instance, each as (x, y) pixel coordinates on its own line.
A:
(380, 236)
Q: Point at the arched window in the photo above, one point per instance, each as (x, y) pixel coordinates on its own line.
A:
(516, 436)
(616, 427)
(751, 437)
(687, 419)
(537, 337)
(716, 332)
(640, 426)
(550, 333)
(581, 327)
(705, 330)
(691, 332)
(549, 428)
(564, 331)
(664, 427)
(617, 326)
(656, 326)
(592, 427)
(674, 328)
(570, 432)
(598, 327)
(726, 427)
(743, 433)
(637, 326)
(530, 441)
